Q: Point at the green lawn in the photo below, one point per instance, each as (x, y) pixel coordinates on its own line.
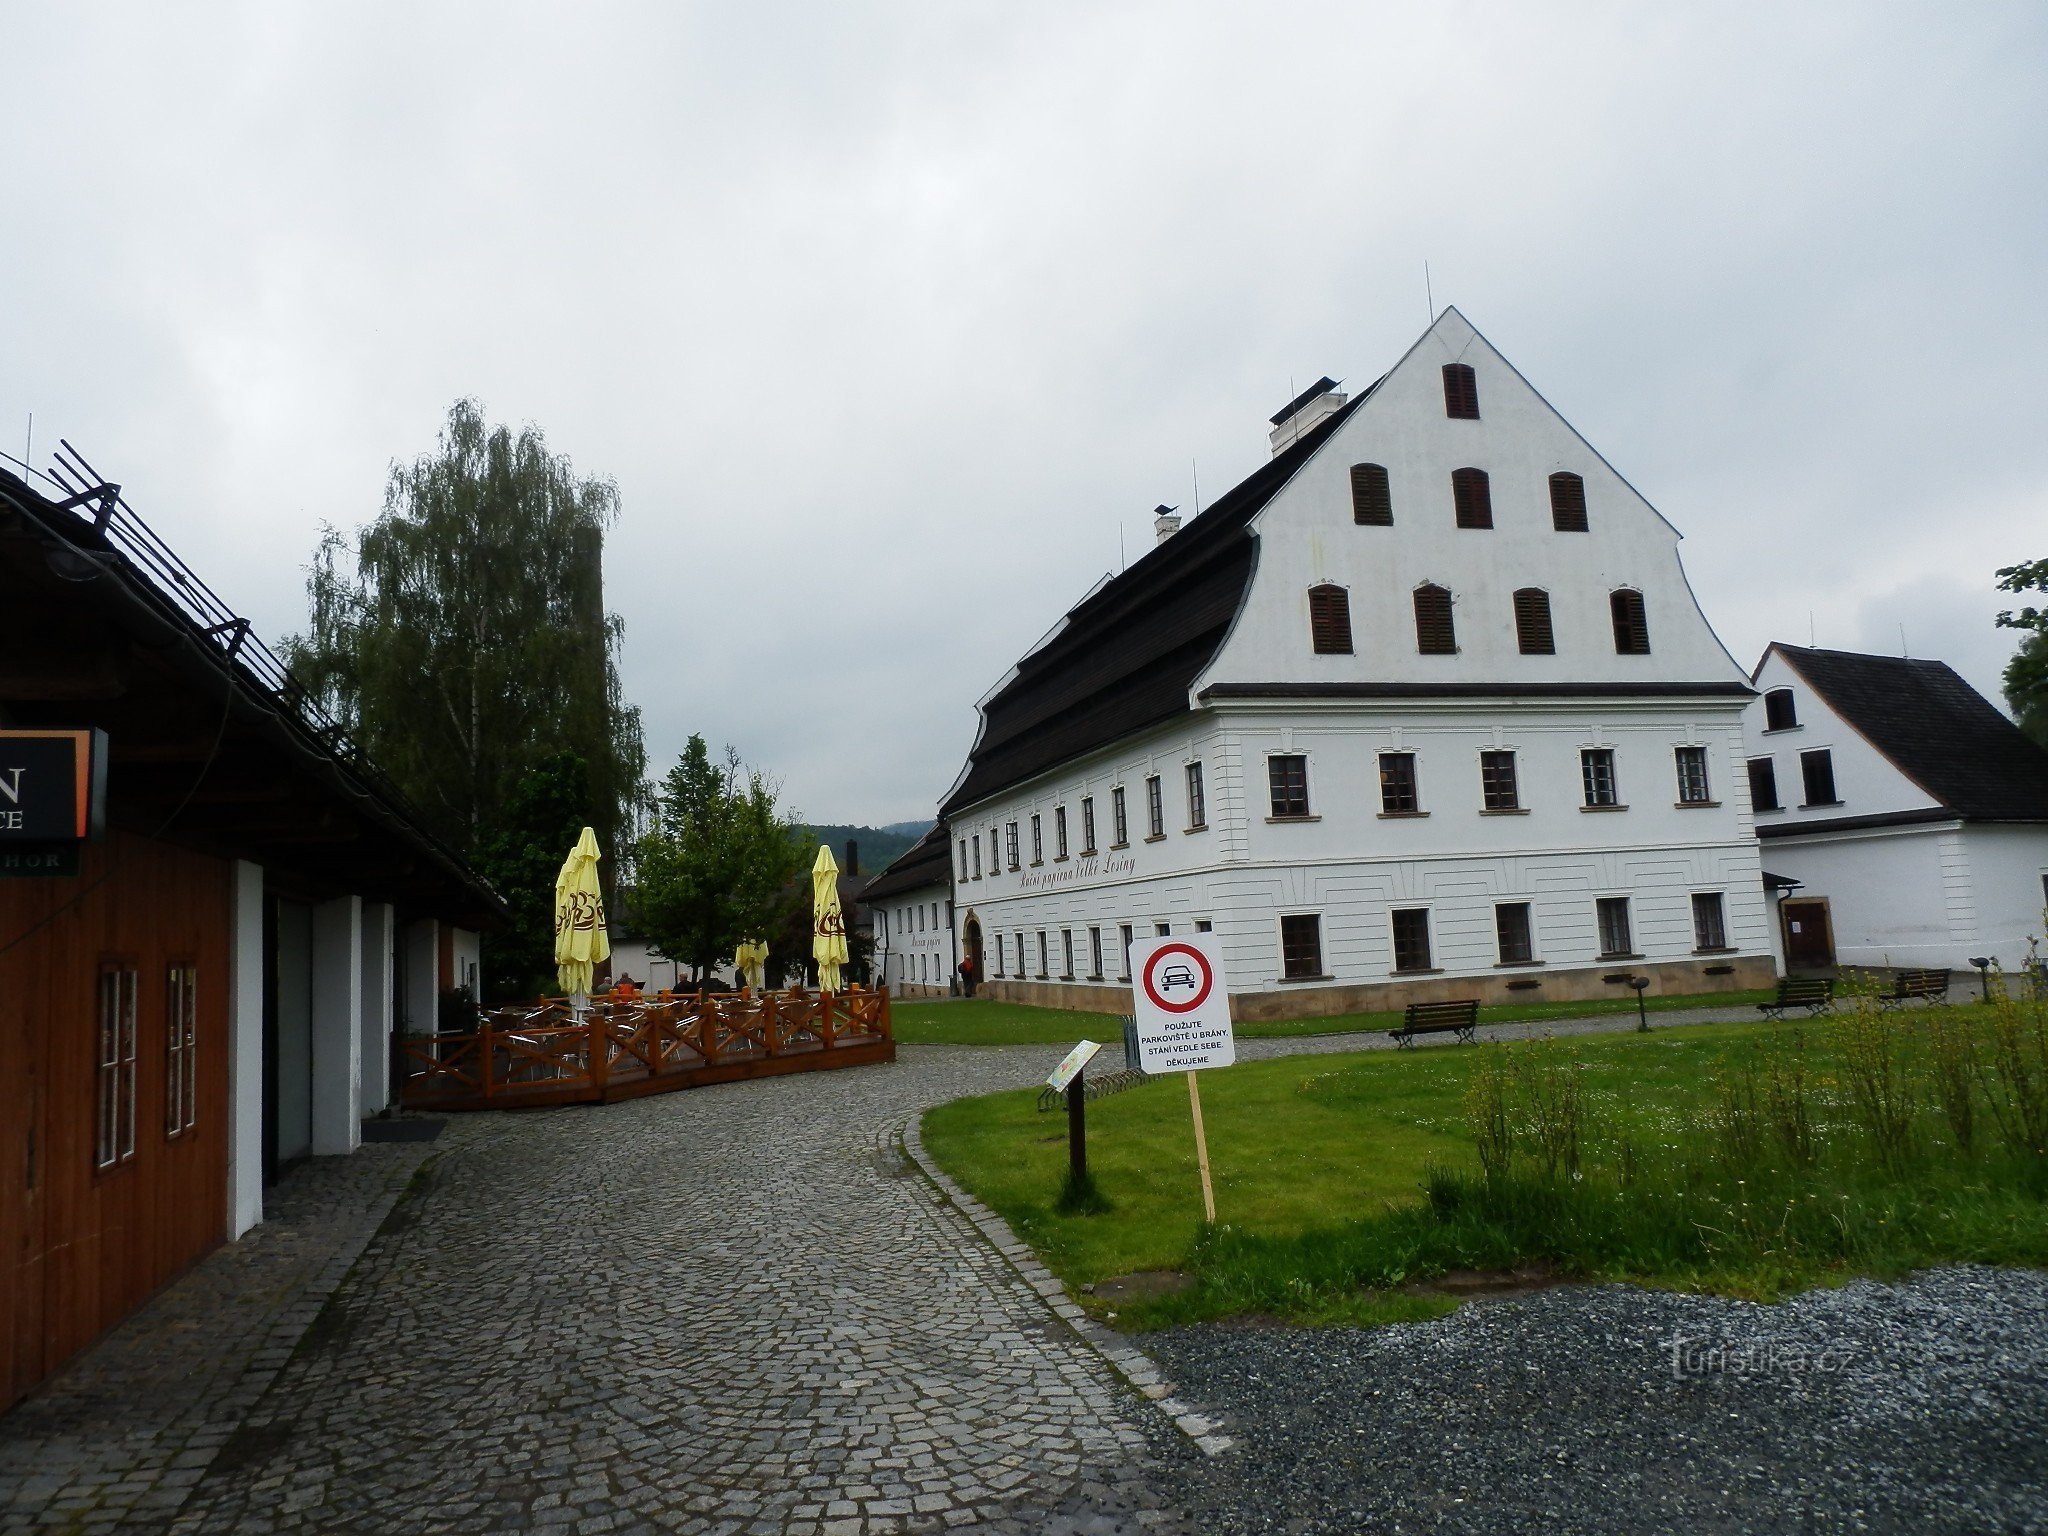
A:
(978, 1021)
(1322, 1164)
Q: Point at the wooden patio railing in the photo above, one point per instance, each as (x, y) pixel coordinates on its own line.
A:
(541, 1054)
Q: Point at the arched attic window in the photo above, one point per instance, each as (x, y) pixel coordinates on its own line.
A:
(1329, 620)
(1532, 622)
(1472, 495)
(1372, 502)
(1779, 712)
(1567, 502)
(1631, 625)
(1435, 633)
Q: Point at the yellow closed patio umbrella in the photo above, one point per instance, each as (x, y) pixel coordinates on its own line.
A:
(828, 923)
(750, 961)
(580, 939)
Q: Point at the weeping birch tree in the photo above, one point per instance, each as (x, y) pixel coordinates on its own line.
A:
(464, 639)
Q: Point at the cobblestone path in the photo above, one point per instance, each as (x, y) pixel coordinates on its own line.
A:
(734, 1309)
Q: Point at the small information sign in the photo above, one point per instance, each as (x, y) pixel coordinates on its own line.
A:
(1182, 1005)
(1071, 1065)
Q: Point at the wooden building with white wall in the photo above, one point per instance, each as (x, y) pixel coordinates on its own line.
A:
(202, 988)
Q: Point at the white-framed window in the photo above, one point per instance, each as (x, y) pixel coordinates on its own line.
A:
(1059, 832)
(1596, 774)
(1155, 808)
(1042, 972)
(1037, 839)
(977, 855)
(1123, 954)
(1411, 938)
(1514, 938)
(1117, 818)
(1066, 954)
(1087, 824)
(1616, 931)
(1301, 945)
(1690, 763)
(1198, 804)
(1095, 954)
(1010, 842)
(1709, 921)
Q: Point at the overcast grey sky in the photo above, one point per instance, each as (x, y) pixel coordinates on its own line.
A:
(886, 317)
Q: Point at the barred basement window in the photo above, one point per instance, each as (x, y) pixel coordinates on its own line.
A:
(1301, 946)
(1709, 921)
(1372, 502)
(1532, 622)
(1472, 496)
(1087, 824)
(1329, 620)
(1596, 771)
(1435, 633)
(1615, 940)
(1117, 817)
(1155, 807)
(1631, 627)
(1198, 804)
(1693, 788)
(1411, 939)
(1567, 502)
(1817, 774)
(114, 1081)
(1779, 713)
(1397, 784)
(1763, 785)
(1095, 954)
(181, 1055)
(1287, 776)
(1461, 392)
(1511, 933)
(1497, 786)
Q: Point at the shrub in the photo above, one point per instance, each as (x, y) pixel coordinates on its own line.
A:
(2016, 1082)
(1879, 1076)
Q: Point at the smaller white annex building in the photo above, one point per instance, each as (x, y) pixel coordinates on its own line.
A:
(916, 954)
(1911, 814)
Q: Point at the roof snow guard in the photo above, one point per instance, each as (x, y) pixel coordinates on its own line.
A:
(1129, 652)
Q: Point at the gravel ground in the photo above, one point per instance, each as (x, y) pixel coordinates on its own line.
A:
(1918, 1407)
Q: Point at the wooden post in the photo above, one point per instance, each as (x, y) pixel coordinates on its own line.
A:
(483, 1055)
(597, 1049)
(1077, 1128)
(1202, 1149)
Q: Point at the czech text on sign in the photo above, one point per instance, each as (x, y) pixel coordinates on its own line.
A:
(53, 786)
(1181, 1004)
(1071, 1064)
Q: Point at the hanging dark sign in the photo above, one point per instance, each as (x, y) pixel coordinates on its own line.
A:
(53, 786)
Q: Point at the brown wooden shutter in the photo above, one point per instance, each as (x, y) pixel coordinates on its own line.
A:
(1472, 494)
(1631, 626)
(1567, 502)
(1435, 635)
(1371, 501)
(1461, 392)
(1329, 620)
(1532, 622)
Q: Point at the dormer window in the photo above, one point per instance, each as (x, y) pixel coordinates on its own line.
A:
(1461, 392)
(1779, 713)
(1329, 620)
(1472, 494)
(1435, 634)
(1567, 502)
(1532, 622)
(1631, 626)
(1372, 503)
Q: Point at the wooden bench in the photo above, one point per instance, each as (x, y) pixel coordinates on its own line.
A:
(1460, 1016)
(1816, 994)
(1929, 986)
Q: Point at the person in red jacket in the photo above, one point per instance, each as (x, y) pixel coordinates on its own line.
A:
(967, 976)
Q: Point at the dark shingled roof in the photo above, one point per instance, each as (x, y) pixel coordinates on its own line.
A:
(1936, 729)
(928, 861)
(1130, 652)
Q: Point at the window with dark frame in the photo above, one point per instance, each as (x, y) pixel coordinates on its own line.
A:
(1066, 954)
(1512, 935)
(1461, 392)
(1301, 946)
(1497, 787)
(1411, 938)
(1002, 967)
(1198, 805)
(1709, 921)
(114, 1079)
(1763, 784)
(1123, 954)
(1691, 763)
(1037, 838)
(1631, 626)
(1372, 502)
(1155, 807)
(1817, 776)
(1162, 930)
(1567, 502)
(977, 855)
(1615, 939)
(1059, 832)
(1287, 777)
(181, 1055)
(1010, 842)
(1087, 824)
(1472, 497)
(1117, 818)
(1435, 633)
(1329, 620)
(963, 858)
(1596, 775)
(1398, 796)
(1095, 954)
(1780, 714)
(1532, 622)
(1042, 973)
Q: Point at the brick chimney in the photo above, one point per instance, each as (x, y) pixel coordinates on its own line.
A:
(852, 857)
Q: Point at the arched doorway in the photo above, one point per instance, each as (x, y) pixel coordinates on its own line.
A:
(971, 934)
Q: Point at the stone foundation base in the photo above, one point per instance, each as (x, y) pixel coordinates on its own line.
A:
(1494, 989)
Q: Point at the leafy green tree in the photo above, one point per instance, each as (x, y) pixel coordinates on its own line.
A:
(720, 864)
(540, 822)
(2026, 675)
(463, 636)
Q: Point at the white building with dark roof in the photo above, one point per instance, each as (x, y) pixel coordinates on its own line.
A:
(917, 953)
(1907, 817)
(1423, 708)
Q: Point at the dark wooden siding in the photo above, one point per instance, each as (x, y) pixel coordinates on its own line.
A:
(80, 1249)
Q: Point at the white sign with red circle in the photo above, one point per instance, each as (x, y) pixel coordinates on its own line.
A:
(1182, 1004)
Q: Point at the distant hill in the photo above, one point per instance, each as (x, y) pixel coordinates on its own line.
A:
(878, 845)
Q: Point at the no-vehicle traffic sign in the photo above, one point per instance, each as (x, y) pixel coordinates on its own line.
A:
(1181, 1003)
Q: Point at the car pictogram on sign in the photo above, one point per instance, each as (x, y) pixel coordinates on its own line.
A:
(1176, 976)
